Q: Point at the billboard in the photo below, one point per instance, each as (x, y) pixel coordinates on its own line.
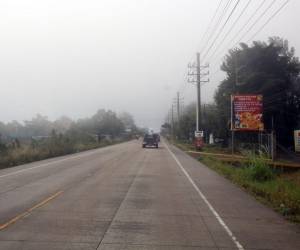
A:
(297, 140)
(246, 112)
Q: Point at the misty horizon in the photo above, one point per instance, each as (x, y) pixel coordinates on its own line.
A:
(66, 58)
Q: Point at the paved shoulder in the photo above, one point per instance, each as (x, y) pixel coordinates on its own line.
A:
(254, 225)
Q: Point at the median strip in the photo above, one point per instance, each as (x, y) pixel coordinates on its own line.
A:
(27, 212)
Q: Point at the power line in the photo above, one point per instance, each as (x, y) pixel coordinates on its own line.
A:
(217, 23)
(232, 11)
(261, 28)
(232, 26)
(247, 22)
(268, 20)
(211, 22)
(257, 20)
(183, 86)
(243, 27)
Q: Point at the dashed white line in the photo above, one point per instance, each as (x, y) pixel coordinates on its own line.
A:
(211, 208)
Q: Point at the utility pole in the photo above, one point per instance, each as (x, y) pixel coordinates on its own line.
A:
(172, 117)
(178, 114)
(198, 93)
(195, 72)
(178, 101)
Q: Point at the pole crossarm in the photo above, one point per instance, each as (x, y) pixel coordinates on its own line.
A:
(197, 74)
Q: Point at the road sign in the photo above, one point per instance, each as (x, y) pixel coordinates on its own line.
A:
(199, 134)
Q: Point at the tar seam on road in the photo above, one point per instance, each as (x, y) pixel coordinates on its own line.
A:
(126, 195)
(27, 212)
(211, 208)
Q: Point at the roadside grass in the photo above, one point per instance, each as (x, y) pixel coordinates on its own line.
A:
(279, 190)
(183, 145)
(188, 146)
(274, 187)
(216, 149)
(26, 153)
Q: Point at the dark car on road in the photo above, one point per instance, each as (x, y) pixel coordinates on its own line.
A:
(150, 140)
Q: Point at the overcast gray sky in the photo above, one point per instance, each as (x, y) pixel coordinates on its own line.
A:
(72, 57)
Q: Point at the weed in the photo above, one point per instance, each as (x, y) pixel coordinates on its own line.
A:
(278, 191)
(258, 169)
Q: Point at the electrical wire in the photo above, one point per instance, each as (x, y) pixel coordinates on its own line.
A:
(217, 24)
(232, 26)
(268, 20)
(183, 87)
(262, 27)
(243, 27)
(228, 18)
(257, 20)
(211, 22)
(247, 22)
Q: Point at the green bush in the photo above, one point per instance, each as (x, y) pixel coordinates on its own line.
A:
(282, 193)
(55, 146)
(259, 170)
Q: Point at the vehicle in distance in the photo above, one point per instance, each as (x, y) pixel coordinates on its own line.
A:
(150, 140)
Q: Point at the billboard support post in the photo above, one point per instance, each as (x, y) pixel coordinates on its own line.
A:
(232, 142)
(272, 146)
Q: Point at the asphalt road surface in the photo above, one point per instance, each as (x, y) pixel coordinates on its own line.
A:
(126, 197)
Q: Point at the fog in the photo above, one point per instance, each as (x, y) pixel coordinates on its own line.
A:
(72, 58)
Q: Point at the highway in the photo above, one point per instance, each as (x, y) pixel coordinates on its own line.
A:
(126, 197)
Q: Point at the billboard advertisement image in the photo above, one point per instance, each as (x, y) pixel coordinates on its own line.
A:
(247, 112)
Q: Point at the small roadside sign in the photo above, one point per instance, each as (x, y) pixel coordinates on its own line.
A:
(199, 133)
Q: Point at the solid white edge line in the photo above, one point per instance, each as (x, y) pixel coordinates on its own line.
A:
(211, 208)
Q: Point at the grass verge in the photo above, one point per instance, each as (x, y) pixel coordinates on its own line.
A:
(278, 190)
(26, 153)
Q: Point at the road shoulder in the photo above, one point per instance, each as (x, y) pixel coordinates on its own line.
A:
(255, 225)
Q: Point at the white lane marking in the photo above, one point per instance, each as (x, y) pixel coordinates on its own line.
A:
(211, 208)
(49, 163)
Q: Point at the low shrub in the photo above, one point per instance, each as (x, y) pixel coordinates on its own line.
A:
(258, 169)
(46, 149)
(279, 191)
